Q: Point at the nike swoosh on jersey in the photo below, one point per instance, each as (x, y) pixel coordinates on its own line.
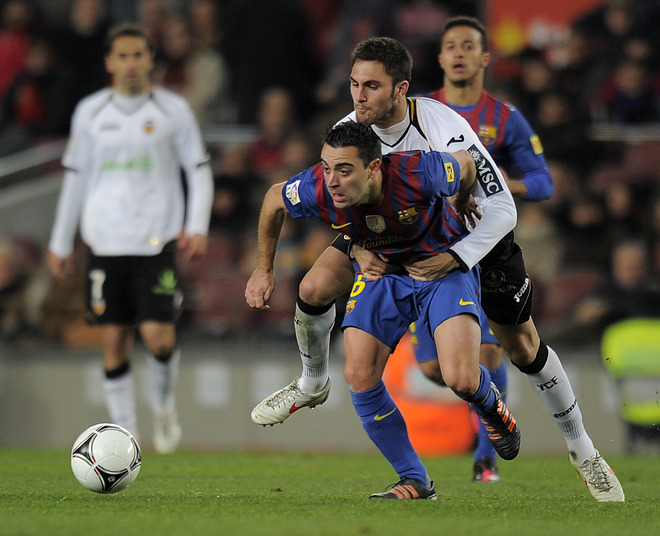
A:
(381, 417)
(463, 302)
(334, 226)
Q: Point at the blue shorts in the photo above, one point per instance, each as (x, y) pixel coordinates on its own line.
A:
(386, 308)
(424, 345)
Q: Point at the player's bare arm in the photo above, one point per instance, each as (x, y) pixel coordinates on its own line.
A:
(261, 284)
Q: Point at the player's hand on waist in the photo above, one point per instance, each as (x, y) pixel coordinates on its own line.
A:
(431, 268)
(373, 266)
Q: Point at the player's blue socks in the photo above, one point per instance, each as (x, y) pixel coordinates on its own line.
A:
(485, 448)
(484, 398)
(384, 424)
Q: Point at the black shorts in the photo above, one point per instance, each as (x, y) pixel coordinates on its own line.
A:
(506, 289)
(133, 289)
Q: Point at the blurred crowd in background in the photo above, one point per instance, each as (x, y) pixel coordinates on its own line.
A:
(281, 67)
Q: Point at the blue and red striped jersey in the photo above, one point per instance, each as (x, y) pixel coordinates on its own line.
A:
(413, 218)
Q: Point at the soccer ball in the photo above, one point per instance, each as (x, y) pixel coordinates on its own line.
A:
(106, 458)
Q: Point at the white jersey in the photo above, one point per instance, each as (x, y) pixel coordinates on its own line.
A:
(431, 125)
(122, 182)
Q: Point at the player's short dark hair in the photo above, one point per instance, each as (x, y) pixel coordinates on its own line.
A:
(126, 29)
(470, 22)
(355, 134)
(392, 54)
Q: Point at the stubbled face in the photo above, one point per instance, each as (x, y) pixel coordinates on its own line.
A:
(375, 96)
(348, 180)
(130, 64)
(462, 57)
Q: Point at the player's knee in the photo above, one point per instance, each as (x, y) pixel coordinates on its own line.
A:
(431, 369)
(311, 291)
(163, 353)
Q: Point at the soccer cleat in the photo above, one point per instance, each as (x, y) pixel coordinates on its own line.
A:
(485, 471)
(281, 404)
(406, 489)
(502, 428)
(599, 478)
(167, 433)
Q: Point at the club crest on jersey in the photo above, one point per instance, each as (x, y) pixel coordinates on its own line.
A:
(487, 134)
(148, 127)
(486, 174)
(376, 223)
(350, 305)
(292, 192)
(408, 216)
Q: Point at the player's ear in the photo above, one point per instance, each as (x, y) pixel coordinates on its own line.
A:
(374, 167)
(402, 88)
(485, 59)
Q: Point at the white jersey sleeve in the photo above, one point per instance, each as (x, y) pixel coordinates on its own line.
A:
(195, 162)
(447, 131)
(76, 161)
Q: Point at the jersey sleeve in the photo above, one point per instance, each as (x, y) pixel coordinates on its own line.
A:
(442, 174)
(195, 161)
(526, 156)
(300, 194)
(69, 205)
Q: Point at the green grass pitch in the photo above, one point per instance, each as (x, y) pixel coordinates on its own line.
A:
(229, 493)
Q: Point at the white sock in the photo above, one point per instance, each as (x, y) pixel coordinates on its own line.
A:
(313, 336)
(120, 399)
(163, 382)
(554, 389)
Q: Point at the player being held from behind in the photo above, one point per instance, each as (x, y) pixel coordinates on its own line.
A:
(396, 206)
(379, 80)
(123, 187)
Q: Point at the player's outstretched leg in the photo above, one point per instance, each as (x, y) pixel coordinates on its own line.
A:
(548, 378)
(313, 327)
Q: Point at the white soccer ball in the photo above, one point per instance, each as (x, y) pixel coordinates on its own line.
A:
(106, 458)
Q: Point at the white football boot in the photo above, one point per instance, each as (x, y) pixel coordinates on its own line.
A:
(600, 479)
(167, 432)
(281, 404)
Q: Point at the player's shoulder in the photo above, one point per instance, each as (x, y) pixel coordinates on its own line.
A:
(433, 112)
(511, 107)
(169, 100)
(88, 107)
(94, 100)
